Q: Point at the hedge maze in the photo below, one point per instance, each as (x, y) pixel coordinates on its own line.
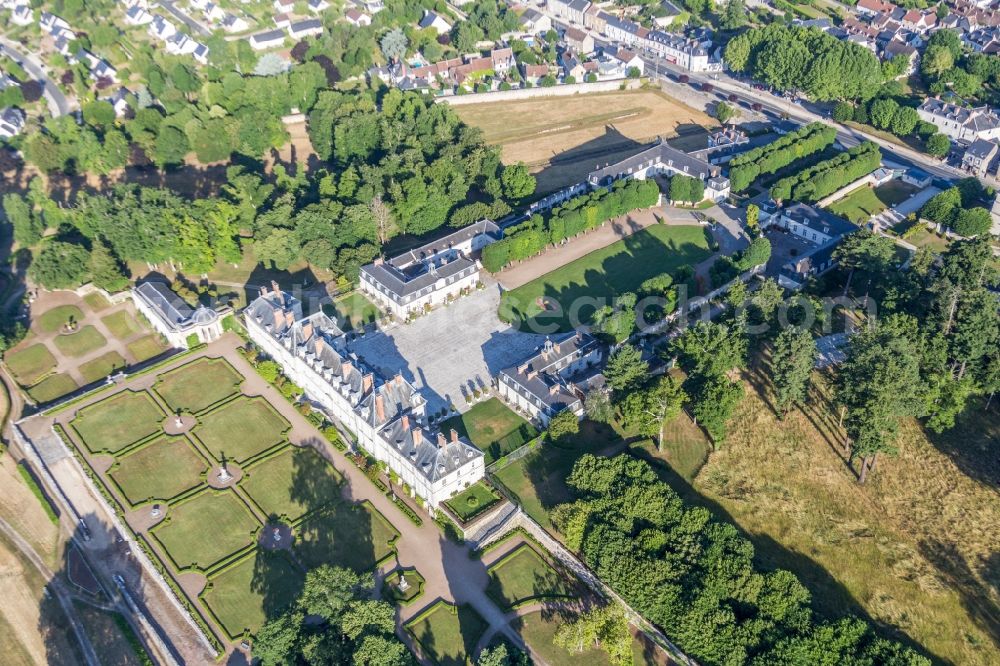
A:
(216, 532)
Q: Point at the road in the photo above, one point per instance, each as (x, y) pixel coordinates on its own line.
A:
(184, 18)
(59, 105)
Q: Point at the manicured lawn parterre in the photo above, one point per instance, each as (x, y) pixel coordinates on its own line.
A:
(259, 587)
(162, 469)
(414, 582)
(30, 364)
(121, 324)
(201, 531)
(292, 483)
(353, 311)
(492, 427)
(102, 366)
(348, 535)
(52, 320)
(860, 204)
(523, 575)
(473, 501)
(241, 429)
(538, 630)
(448, 634)
(52, 387)
(81, 343)
(606, 273)
(118, 421)
(198, 384)
(146, 348)
(96, 302)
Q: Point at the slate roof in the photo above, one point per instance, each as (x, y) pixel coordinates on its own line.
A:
(171, 308)
(818, 219)
(659, 153)
(539, 374)
(981, 149)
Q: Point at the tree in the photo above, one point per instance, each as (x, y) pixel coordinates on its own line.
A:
(864, 251)
(649, 410)
(278, 640)
(842, 112)
(972, 222)
(905, 120)
(563, 425)
(105, 270)
(937, 145)
(597, 406)
(882, 111)
(791, 365)
(605, 628)
(171, 146)
(710, 349)
(28, 227)
(503, 655)
(60, 265)
(757, 254)
(616, 322)
(517, 182)
(547, 81)
(625, 369)
(98, 113)
(753, 217)
(734, 15)
(394, 45)
(714, 403)
(724, 112)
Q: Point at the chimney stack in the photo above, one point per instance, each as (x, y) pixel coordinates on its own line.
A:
(399, 379)
(554, 389)
(442, 442)
(263, 291)
(406, 422)
(380, 408)
(454, 435)
(366, 383)
(274, 288)
(346, 367)
(418, 436)
(278, 318)
(318, 345)
(307, 331)
(289, 317)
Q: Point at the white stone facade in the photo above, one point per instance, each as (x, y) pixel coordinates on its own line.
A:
(173, 318)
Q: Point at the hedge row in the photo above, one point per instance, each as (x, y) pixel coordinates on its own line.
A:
(577, 215)
(744, 169)
(829, 175)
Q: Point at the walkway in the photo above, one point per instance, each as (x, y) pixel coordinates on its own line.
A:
(58, 104)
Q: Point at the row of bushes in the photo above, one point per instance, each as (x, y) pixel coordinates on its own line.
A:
(579, 214)
(746, 168)
(955, 212)
(829, 175)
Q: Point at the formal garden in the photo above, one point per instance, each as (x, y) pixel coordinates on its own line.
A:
(523, 576)
(215, 492)
(447, 634)
(861, 204)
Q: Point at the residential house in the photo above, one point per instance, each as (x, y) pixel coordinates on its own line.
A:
(432, 20)
(213, 12)
(373, 6)
(282, 20)
(138, 16)
(578, 40)
(534, 22)
(161, 28)
(821, 230)
(102, 69)
(662, 159)
(267, 40)
(555, 378)
(570, 10)
(200, 53)
(123, 100)
(181, 44)
(503, 61)
(233, 24)
(593, 18)
(317, 6)
(11, 122)
(430, 275)
(667, 16)
(22, 15)
(961, 123)
(173, 318)
(306, 28)
(49, 22)
(873, 7)
(385, 416)
(978, 156)
(356, 18)
(627, 59)
(284, 6)
(572, 66)
(534, 73)
(895, 48)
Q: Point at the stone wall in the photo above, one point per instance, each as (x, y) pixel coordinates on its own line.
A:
(536, 92)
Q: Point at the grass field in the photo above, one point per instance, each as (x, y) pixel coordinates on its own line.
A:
(201, 531)
(256, 589)
(538, 630)
(522, 575)
(115, 422)
(685, 447)
(448, 634)
(562, 138)
(145, 348)
(52, 320)
(352, 311)
(473, 501)
(199, 384)
(52, 387)
(30, 364)
(292, 484)
(102, 366)
(162, 469)
(348, 535)
(618, 268)
(241, 429)
(860, 204)
(492, 427)
(96, 302)
(81, 343)
(121, 324)
(915, 548)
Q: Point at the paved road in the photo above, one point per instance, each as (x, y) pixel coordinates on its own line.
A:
(184, 18)
(59, 105)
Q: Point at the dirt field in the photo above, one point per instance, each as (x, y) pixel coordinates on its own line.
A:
(24, 513)
(564, 138)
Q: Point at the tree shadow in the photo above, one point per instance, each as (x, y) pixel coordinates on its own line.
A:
(973, 444)
(572, 166)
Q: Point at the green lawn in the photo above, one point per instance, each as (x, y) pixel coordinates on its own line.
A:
(522, 575)
(121, 324)
(84, 341)
(102, 366)
(860, 204)
(162, 469)
(448, 634)
(603, 274)
(199, 384)
(52, 320)
(52, 387)
(685, 447)
(146, 348)
(201, 531)
(538, 480)
(255, 590)
(348, 535)
(473, 501)
(30, 364)
(292, 484)
(492, 427)
(391, 591)
(96, 302)
(241, 429)
(115, 422)
(538, 630)
(352, 311)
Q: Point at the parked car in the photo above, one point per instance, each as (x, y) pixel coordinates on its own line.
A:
(707, 87)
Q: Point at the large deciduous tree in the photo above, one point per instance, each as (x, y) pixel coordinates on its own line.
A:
(791, 365)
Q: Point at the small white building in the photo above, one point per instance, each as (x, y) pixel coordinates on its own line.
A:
(432, 20)
(267, 40)
(556, 377)
(961, 123)
(138, 16)
(306, 28)
(161, 28)
(284, 6)
(357, 18)
(429, 275)
(317, 6)
(11, 122)
(22, 15)
(49, 22)
(173, 317)
(232, 23)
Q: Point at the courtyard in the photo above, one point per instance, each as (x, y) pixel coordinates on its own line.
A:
(862, 204)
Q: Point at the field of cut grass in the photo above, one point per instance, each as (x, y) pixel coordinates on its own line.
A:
(522, 575)
(52, 320)
(162, 469)
(81, 343)
(198, 384)
(611, 271)
(860, 204)
(292, 483)
(352, 311)
(52, 387)
(448, 634)
(115, 422)
(121, 324)
(493, 427)
(30, 364)
(102, 366)
(538, 630)
(145, 348)
(473, 501)
(241, 429)
(204, 530)
(347, 535)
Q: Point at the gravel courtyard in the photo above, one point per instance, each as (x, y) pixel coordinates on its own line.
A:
(451, 350)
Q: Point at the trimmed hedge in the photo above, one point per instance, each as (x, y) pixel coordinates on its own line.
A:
(36, 490)
(829, 175)
(744, 169)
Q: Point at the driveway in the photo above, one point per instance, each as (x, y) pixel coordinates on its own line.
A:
(58, 104)
(451, 350)
(184, 18)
